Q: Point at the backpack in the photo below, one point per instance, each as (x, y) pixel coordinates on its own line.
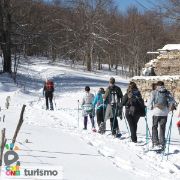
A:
(88, 108)
(172, 104)
(164, 99)
(113, 95)
(136, 104)
(49, 86)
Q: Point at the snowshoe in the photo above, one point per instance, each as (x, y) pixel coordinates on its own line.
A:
(102, 128)
(158, 149)
(118, 135)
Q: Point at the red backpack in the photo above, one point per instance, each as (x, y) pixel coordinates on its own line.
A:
(49, 85)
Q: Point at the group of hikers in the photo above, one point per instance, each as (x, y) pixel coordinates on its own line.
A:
(108, 104)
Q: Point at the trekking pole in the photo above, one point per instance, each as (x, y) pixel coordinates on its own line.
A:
(104, 123)
(168, 139)
(147, 137)
(114, 116)
(148, 133)
(78, 113)
(54, 102)
(126, 123)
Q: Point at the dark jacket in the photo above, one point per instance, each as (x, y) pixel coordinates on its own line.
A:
(48, 88)
(133, 98)
(107, 94)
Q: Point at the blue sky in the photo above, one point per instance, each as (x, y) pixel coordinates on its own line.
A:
(123, 4)
(141, 4)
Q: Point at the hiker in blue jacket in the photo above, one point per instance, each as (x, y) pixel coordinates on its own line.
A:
(100, 106)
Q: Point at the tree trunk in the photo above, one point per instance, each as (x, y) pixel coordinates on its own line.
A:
(99, 63)
(88, 61)
(7, 58)
(5, 29)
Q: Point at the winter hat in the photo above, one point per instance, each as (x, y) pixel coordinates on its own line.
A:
(102, 91)
(160, 83)
(112, 80)
(87, 88)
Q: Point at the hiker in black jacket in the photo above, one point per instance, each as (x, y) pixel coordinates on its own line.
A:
(113, 97)
(132, 101)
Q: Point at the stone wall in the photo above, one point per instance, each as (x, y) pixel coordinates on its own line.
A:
(167, 63)
(172, 83)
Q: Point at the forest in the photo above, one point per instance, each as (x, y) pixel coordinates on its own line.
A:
(93, 32)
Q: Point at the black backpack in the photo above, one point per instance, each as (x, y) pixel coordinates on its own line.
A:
(136, 104)
(114, 95)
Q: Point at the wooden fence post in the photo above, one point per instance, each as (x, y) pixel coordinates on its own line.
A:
(3, 117)
(19, 124)
(2, 145)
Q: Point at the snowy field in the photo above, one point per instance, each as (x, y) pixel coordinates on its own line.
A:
(56, 138)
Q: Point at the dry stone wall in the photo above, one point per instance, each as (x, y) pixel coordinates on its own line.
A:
(167, 69)
(167, 63)
(172, 83)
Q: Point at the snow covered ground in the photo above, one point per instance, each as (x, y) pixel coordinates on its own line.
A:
(56, 138)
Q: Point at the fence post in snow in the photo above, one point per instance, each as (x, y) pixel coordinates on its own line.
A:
(2, 145)
(19, 124)
(3, 118)
(8, 98)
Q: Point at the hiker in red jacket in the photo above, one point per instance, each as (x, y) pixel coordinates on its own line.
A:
(48, 92)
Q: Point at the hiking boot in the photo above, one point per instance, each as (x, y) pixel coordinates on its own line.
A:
(162, 147)
(155, 144)
(94, 130)
(84, 128)
(134, 141)
(118, 135)
(114, 133)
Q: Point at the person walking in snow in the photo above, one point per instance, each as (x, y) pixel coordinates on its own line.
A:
(135, 108)
(87, 107)
(48, 93)
(113, 95)
(100, 107)
(161, 102)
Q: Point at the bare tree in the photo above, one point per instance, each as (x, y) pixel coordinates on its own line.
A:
(5, 33)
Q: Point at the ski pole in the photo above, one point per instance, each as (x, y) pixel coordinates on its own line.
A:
(126, 123)
(54, 102)
(104, 122)
(114, 116)
(148, 133)
(147, 137)
(168, 139)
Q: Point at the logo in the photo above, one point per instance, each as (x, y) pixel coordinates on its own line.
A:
(12, 169)
(12, 165)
